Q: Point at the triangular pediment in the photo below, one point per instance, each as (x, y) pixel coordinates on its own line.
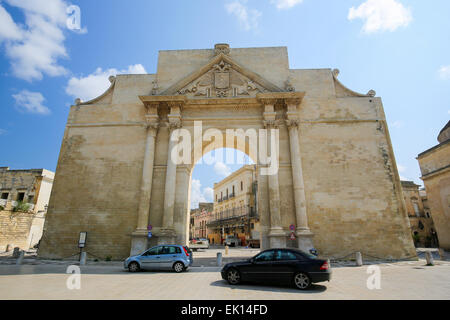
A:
(220, 78)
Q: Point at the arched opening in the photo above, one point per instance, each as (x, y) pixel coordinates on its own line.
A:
(220, 206)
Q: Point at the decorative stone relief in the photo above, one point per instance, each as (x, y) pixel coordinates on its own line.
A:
(220, 82)
(221, 48)
(288, 86)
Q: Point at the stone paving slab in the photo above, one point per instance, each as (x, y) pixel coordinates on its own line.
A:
(405, 280)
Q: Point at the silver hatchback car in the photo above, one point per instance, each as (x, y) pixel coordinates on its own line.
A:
(162, 257)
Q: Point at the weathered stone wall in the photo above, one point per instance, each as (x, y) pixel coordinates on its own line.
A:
(15, 229)
(435, 168)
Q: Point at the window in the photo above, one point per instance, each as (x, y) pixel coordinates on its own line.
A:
(208, 92)
(153, 251)
(30, 199)
(421, 226)
(242, 185)
(285, 255)
(233, 189)
(235, 92)
(416, 209)
(265, 256)
(5, 195)
(170, 250)
(20, 196)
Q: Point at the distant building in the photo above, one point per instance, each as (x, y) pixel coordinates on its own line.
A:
(235, 212)
(24, 197)
(422, 227)
(435, 167)
(199, 220)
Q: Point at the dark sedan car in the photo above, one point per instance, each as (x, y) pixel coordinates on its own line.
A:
(289, 266)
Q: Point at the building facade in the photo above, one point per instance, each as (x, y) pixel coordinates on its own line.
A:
(24, 197)
(422, 226)
(435, 167)
(235, 211)
(200, 218)
(336, 181)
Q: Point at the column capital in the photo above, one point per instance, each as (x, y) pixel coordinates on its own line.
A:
(271, 124)
(268, 101)
(294, 101)
(292, 123)
(174, 124)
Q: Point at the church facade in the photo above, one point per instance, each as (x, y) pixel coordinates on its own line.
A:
(335, 188)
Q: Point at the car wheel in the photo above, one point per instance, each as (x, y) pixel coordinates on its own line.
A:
(178, 267)
(302, 281)
(134, 267)
(233, 276)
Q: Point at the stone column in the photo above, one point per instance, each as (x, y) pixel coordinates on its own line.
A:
(277, 236)
(139, 236)
(304, 235)
(167, 232)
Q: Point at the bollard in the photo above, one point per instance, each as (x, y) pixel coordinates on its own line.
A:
(359, 261)
(9, 247)
(429, 257)
(20, 257)
(219, 259)
(83, 258)
(16, 252)
(442, 254)
(226, 250)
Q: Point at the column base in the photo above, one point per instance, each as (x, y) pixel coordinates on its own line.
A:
(138, 242)
(305, 242)
(277, 238)
(166, 236)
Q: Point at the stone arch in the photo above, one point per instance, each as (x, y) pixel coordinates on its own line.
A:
(276, 111)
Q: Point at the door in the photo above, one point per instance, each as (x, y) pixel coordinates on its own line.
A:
(151, 258)
(260, 269)
(169, 254)
(284, 265)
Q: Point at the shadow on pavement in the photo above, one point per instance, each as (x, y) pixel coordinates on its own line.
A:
(8, 270)
(315, 288)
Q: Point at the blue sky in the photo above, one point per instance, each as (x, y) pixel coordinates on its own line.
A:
(400, 48)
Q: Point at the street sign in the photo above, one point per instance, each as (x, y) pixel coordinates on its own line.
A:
(82, 240)
(149, 227)
(149, 234)
(292, 236)
(292, 227)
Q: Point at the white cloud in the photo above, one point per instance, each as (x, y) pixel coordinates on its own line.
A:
(2, 131)
(401, 168)
(222, 169)
(36, 46)
(381, 15)
(209, 194)
(96, 83)
(285, 4)
(8, 29)
(444, 72)
(31, 102)
(197, 195)
(248, 18)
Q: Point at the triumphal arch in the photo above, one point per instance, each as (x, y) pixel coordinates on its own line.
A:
(335, 185)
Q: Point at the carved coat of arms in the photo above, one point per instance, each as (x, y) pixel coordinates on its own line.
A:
(221, 80)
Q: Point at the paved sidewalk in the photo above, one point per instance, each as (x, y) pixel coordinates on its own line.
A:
(403, 280)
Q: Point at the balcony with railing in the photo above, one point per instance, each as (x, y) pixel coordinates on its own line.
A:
(232, 215)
